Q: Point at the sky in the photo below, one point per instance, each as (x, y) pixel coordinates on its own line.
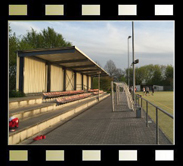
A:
(107, 40)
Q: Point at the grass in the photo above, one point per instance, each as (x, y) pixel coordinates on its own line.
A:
(163, 100)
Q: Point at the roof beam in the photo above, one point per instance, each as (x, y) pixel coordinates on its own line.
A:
(81, 66)
(96, 75)
(37, 53)
(89, 70)
(93, 73)
(71, 61)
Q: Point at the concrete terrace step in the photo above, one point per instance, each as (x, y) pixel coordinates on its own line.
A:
(32, 110)
(24, 101)
(36, 124)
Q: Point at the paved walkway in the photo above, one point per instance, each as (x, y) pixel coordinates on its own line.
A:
(100, 126)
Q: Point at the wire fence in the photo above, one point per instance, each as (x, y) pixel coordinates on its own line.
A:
(162, 119)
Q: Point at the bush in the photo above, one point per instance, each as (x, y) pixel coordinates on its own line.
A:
(15, 93)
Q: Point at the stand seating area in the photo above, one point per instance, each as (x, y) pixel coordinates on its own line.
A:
(100, 92)
(92, 90)
(64, 100)
(63, 93)
(36, 115)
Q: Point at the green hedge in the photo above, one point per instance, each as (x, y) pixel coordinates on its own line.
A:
(15, 93)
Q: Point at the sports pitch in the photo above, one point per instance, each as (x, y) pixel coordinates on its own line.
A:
(165, 101)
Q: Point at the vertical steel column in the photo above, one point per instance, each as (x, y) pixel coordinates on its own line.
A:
(21, 74)
(49, 78)
(82, 81)
(112, 96)
(116, 94)
(64, 80)
(141, 105)
(91, 82)
(87, 82)
(147, 124)
(133, 58)
(75, 80)
(157, 127)
(98, 86)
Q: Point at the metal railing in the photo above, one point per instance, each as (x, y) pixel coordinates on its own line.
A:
(129, 97)
(137, 97)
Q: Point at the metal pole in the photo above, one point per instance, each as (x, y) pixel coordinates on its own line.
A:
(128, 65)
(157, 127)
(117, 87)
(141, 104)
(133, 59)
(112, 97)
(147, 125)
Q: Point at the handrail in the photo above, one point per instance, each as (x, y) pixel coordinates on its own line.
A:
(157, 109)
(170, 115)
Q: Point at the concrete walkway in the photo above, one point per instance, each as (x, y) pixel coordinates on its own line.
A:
(100, 126)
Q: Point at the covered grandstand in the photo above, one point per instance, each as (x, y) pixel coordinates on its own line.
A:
(55, 69)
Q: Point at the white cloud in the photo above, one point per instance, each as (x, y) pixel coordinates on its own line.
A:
(108, 39)
(21, 28)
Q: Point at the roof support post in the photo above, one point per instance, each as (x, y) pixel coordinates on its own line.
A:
(99, 86)
(82, 81)
(49, 78)
(91, 82)
(64, 79)
(21, 74)
(112, 95)
(87, 82)
(75, 80)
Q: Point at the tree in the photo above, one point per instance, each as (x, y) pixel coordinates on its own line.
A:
(13, 46)
(110, 67)
(169, 75)
(105, 83)
(47, 38)
(113, 71)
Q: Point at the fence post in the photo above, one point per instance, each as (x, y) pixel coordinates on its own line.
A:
(147, 125)
(141, 104)
(157, 127)
(117, 94)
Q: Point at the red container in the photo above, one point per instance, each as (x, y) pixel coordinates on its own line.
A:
(13, 122)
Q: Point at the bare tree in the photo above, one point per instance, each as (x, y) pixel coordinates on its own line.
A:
(110, 67)
(113, 71)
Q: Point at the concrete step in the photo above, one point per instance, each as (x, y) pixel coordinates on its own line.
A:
(36, 124)
(29, 111)
(24, 101)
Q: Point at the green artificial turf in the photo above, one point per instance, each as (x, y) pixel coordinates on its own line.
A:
(163, 100)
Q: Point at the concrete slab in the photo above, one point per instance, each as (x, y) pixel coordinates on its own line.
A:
(100, 126)
(45, 120)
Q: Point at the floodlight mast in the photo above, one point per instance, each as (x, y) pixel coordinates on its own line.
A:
(128, 63)
(133, 58)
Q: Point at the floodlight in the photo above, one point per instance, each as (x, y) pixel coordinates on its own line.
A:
(136, 61)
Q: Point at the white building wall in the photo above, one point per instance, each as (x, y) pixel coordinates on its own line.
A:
(34, 76)
(89, 82)
(78, 81)
(56, 78)
(84, 81)
(69, 80)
